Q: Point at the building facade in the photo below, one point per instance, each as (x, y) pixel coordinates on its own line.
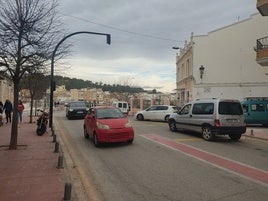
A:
(222, 64)
(6, 88)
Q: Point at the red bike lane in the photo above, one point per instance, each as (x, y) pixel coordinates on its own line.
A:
(244, 170)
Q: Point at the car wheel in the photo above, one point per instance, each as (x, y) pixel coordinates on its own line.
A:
(95, 140)
(172, 125)
(85, 133)
(167, 118)
(207, 134)
(140, 117)
(130, 141)
(235, 137)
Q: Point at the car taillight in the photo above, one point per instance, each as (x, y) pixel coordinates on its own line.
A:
(217, 123)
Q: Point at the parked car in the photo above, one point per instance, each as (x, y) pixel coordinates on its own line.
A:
(76, 109)
(210, 117)
(156, 112)
(107, 124)
(256, 110)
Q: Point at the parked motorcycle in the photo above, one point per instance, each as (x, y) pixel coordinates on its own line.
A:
(42, 123)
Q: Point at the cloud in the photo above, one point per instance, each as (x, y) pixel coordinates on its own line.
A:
(143, 34)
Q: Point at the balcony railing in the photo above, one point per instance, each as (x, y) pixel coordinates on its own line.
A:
(262, 6)
(262, 51)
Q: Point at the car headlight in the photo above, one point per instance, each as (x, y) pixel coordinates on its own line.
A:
(128, 125)
(103, 126)
(70, 110)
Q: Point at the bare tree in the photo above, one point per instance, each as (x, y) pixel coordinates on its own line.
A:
(29, 31)
(37, 84)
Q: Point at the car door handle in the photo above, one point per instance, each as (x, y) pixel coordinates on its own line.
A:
(191, 115)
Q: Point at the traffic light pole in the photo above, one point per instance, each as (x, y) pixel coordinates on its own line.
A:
(52, 82)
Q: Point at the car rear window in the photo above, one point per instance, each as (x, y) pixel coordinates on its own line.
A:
(230, 108)
(78, 104)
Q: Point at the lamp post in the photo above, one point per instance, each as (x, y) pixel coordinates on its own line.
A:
(52, 83)
(201, 71)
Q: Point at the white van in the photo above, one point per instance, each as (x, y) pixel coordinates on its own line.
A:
(123, 106)
(210, 117)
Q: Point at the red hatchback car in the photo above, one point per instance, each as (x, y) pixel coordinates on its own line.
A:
(105, 124)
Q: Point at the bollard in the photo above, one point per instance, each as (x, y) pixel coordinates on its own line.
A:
(57, 147)
(251, 132)
(54, 138)
(60, 162)
(67, 192)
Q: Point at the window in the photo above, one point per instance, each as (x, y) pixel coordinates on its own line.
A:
(230, 108)
(258, 107)
(245, 108)
(185, 109)
(162, 108)
(203, 108)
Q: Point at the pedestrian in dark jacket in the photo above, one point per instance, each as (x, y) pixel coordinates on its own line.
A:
(1, 107)
(8, 109)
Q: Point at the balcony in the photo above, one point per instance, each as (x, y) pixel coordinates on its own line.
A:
(262, 51)
(262, 6)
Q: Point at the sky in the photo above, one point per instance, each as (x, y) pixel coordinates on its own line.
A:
(143, 33)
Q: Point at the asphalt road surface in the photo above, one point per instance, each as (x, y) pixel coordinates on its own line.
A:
(163, 166)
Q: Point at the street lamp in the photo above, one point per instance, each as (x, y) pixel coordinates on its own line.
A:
(52, 83)
(201, 70)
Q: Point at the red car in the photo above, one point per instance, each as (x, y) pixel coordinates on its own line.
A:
(105, 124)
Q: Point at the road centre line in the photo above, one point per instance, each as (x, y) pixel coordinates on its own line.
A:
(249, 172)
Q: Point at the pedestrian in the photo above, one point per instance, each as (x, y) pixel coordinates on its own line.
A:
(1, 107)
(8, 109)
(20, 110)
(1, 111)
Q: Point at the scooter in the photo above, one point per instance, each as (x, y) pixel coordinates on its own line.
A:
(42, 123)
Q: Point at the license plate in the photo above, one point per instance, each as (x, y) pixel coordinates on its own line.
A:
(232, 120)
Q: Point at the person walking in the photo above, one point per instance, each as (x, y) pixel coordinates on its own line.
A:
(20, 110)
(8, 109)
(1, 111)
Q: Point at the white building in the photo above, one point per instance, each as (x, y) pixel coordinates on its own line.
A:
(229, 61)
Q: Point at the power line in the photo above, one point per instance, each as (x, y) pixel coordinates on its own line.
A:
(122, 30)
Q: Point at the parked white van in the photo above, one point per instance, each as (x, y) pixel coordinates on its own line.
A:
(123, 106)
(210, 117)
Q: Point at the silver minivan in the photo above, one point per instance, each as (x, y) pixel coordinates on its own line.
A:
(210, 117)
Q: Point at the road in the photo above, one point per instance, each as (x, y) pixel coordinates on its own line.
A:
(163, 166)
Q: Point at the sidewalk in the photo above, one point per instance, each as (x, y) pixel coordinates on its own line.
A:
(257, 132)
(29, 173)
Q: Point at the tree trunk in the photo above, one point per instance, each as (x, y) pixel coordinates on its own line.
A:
(31, 110)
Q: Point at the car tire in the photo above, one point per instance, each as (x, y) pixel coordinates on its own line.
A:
(140, 117)
(95, 140)
(86, 135)
(172, 125)
(167, 118)
(207, 134)
(130, 141)
(235, 137)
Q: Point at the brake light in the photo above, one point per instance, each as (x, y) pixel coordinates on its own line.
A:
(217, 123)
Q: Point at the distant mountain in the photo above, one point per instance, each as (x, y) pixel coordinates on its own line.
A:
(73, 83)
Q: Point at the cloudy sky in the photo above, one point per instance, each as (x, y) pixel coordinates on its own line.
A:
(143, 33)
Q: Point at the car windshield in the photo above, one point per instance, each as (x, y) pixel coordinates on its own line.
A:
(230, 108)
(109, 113)
(77, 104)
